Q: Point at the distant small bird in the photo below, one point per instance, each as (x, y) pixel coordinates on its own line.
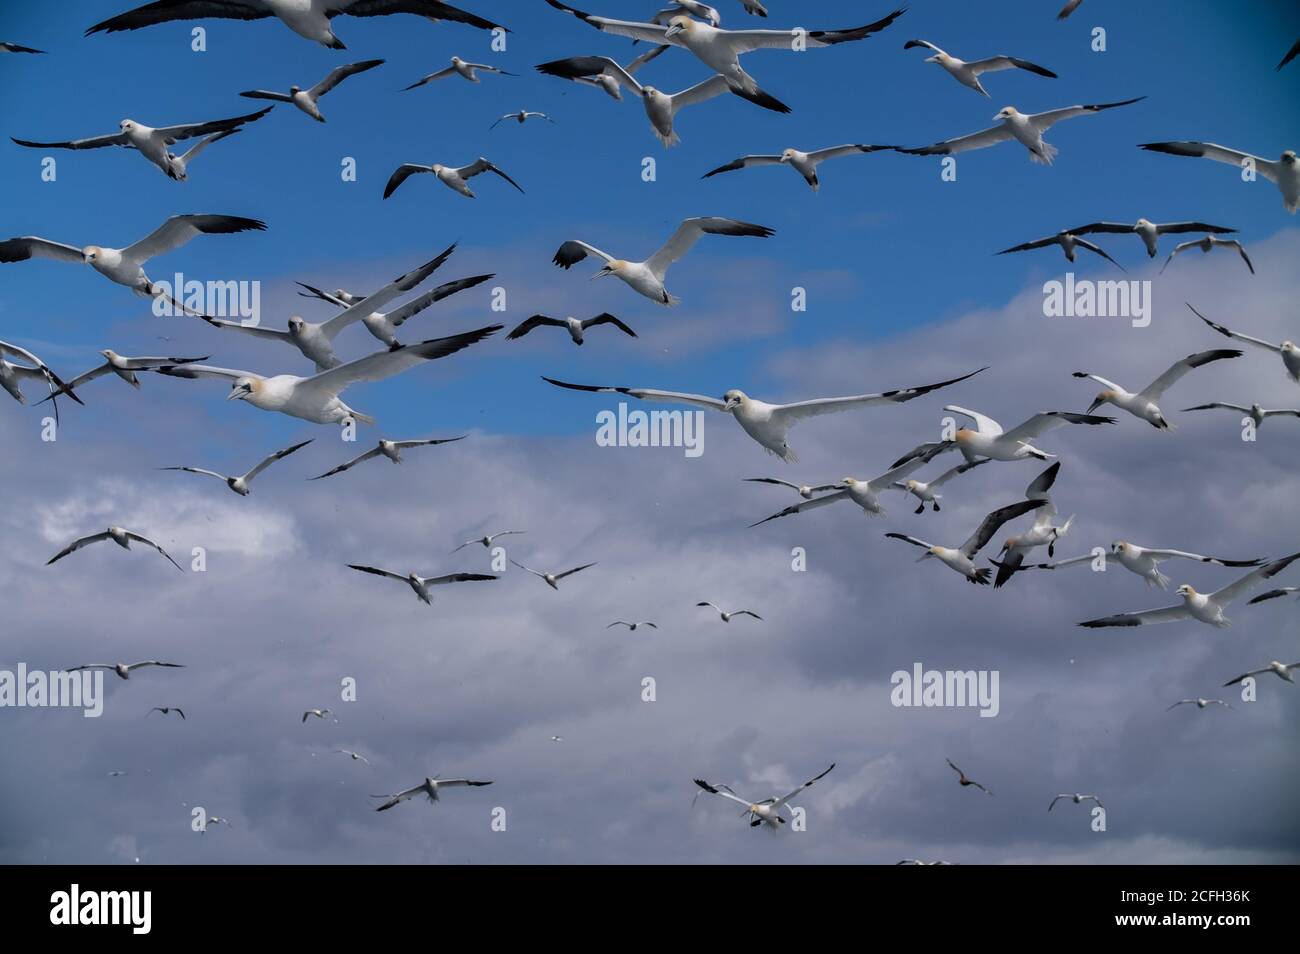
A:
(968, 72)
(240, 484)
(804, 163)
(632, 627)
(521, 117)
(429, 786)
(1200, 703)
(306, 99)
(386, 448)
(462, 68)
(487, 540)
(453, 177)
(165, 710)
(726, 617)
(553, 579)
(123, 538)
(215, 820)
(574, 326)
(1208, 244)
(963, 781)
(1256, 413)
(318, 713)
(1077, 799)
(355, 756)
(1281, 670)
(421, 584)
(557, 738)
(124, 670)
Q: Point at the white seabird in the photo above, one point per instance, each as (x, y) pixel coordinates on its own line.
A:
(924, 491)
(421, 584)
(553, 579)
(633, 626)
(768, 810)
(727, 616)
(1142, 405)
(153, 143)
(1208, 244)
(386, 448)
(806, 491)
(1203, 607)
(1283, 172)
(1255, 412)
(124, 670)
(429, 786)
(1041, 533)
(647, 277)
(1068, 242)
(453, 177)
(864, 493)
(122, 366)
(307, 99)
(125, 266)
(522, 116)
(240, 484)
(354, 756)
(1145, 561)
(805, 163)
(964, 781)
(1289, 351)
(1199, 703)
(962, 558)
(316, 398)
(968, 73)
(1149, 232)
(1025, 128)
(310, 19)
(1076, 797)
(487, 539)
(721, 50)
(989, 440)
(7, 47)
(600, 71)
(123, 538)
(574, 326)
(769, 424)
(318, 713)
(1279, 669)
(461, 68)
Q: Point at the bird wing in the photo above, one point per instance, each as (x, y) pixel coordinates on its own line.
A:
(1272, 595)
(743, 41)
(715, 85)
(92, 142)
(131, 535)
(385, 364)
(339, 74)
(689, 232)
(401, 174)
(457, 578)
(802, 409)
(1252, 579)
(32, 246)
(153, 662)
(910, 44)
(206, 371)
(560, 576)
(179, 229)
(373, 452)
(1098, 250)
(949, 474)
(574, 251)
(432, 9)
(483, 165)
(189, 130)
(372, 303)
(806, 505)
(432, 77)
(605, 318)
(849, 149)
(1116, 228)
(164, 11)
(76, 545)
(1175, 227)
(1037, 243)
(777, 803)
(744, 162)
(257, 331)
(445, 782)
(429, 441)
(1165, 614)
(897, 473)
(203, 143)
(914, 541)
(376, 571)
(1215, 405)
(645, 58)
(772, 480)
(646, 394)
(399, 797)
(1045, 121)
(278, 455)
(528, 324)
(1241, 250)
(527, 569)
(1040, 485)
(1045, 421)
(990, 524)
(1156, 388)
(446, 290)
(1290, 54)
(994, 64)
(198, 470)
(1233, 334)
(721, 790)
(652, 32)
(267, 94)
(1214, 152)
(581, 67)
(976, 140)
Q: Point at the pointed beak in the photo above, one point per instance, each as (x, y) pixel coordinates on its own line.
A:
(1097, 402)
(238, 393)
(672, 31)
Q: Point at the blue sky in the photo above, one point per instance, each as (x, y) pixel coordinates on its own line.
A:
(904, 289)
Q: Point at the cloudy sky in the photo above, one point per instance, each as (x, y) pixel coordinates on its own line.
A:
(903, 290)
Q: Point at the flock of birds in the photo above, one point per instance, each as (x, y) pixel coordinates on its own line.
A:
(694, 28)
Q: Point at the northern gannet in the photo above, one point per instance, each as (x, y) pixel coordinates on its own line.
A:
(166, 710)
(963, 781)
(989, 440)
(310, 19)
(600, 71)
(316, 398)
(968, 73)
(1280, 669)
(1068, 242)
(647, 277)
(1207, 245)
(924, 491)
(318, 713)
(124, 670)
(125, 266)
(307, 99)
(1149, 232)
(153, 143)
(769, 424)
(122, 366)
(575, 326)
(727, 616)
(1275, 594)
(1025, 128)
(1041, 533)
(962, 558)
(806, 491)
(486, 540)
(1145, 561)
(1289, 351)
(721, 50)
(240, 484)
(123, 538)
(453, 177)
(1199, 703)
(354, 756)
(768, 810)
(1255, 412)
(316, 341)
(461, 68)
(522, 116)
(386, 448)
(421, 584)
(429, 786)
(864, 493)
(215, 820)
(7, 47)
(805, 163)
(632, 627)
(552, 579)
(1283, 172)
(1142, 405)
(12, 375)
(1203, 607)
(1076, 797)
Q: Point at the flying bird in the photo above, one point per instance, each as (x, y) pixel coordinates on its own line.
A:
(1289, 351)
(632, 627)
(574, 326)
(1203, 607)
(1199, 703)
(318, 713)
(1207, 245)
(963, 781)
(553, 579)
(1041, 533)
(769, 424)
(167, 710)
(1069, 243)
(461, 68)
(864, 493)
(1145, 561)
(123, 538)
(7, 47)
(522, 116)
(924, 491)
(768, 810)
(647, 277)
(1281, 670)
(122, 366)
(600, 71)
(240, 484)
(421, 584)
(962, 558)
(989, 440)
(968, 73)
(1070, 7)
(1025, 128)
(125, 266)
(453, 177)
(805, 163)
(154, 143)
(1077, 798)
(386, 448)
(1284, 172)
(12, 375)
(486, 541)
(806, 491)
(1255, 412)
(124, 670)
(1149, 232)
(310, 19)
(726, 616)
(1142, 405)
(429, 786)
(307, 100)
(354, 756)
(316, 398)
